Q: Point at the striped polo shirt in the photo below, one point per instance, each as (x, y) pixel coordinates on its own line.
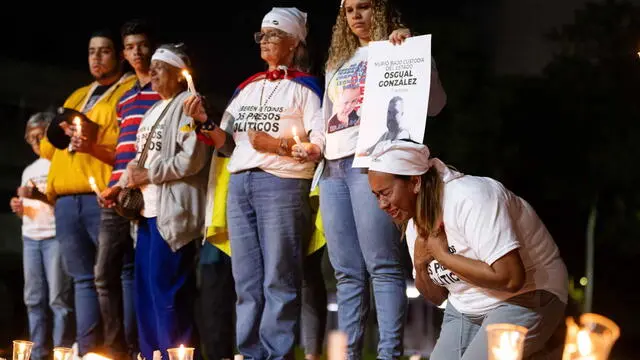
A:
(131, 109)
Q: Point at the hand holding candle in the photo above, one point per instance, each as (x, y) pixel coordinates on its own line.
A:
(187, 76)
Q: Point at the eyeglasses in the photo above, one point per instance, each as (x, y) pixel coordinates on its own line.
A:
(271, 36)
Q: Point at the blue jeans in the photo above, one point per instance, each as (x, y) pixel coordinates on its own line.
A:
(269, 220)
(465, 337)
(46, 286)
(363, 243)
(77, 226)
(165, 287)
(114, 283)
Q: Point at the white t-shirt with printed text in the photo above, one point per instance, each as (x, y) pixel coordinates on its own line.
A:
(150, 191)
(285, 104)
(485, 221)
(38, 220)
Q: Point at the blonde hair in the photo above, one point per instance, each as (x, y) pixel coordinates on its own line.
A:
(344, 42)
(429, 202)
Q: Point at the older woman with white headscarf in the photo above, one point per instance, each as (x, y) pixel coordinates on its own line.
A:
(268, 210)
(478, 245)
(173, 180)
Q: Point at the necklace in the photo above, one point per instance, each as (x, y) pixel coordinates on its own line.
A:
(264, 83)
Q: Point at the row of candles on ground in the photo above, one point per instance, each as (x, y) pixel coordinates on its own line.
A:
(590, 339)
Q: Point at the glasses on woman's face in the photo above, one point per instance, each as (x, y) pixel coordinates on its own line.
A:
(269, 36)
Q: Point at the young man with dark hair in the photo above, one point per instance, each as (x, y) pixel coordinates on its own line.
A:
(114, 273)
(87, 156)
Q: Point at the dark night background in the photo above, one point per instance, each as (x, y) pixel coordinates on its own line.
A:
(542, 95)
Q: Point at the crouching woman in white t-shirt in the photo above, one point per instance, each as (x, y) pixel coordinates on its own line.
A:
(478, 245)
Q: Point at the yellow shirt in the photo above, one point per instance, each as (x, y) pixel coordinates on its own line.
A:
(70, 172)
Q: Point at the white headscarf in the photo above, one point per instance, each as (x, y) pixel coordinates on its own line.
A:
(169, 57)
(401, 157)
(290, 20)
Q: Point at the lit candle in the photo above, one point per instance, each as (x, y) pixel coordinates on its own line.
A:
(585, 347)
(21, 350)
(505, 349)
(94, 356)
(187, 76)
(295, 136)
(94, 187)
(78, 123)
(181, 352)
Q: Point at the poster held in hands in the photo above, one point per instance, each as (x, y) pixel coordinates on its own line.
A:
(397, 94)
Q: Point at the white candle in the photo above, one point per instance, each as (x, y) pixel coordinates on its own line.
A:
(187, 76)
(295, 136)
(78, 123)
(94, 187)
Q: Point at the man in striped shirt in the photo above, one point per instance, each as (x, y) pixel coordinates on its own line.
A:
(114, 271)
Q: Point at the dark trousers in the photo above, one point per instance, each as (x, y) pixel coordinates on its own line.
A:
(114, 283)
(216, 308)
(313, 320)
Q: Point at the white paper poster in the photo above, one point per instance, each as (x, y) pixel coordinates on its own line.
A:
(396, 94)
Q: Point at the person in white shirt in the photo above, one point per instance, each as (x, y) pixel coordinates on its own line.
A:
(268, 209)
(362, 242)
(46, 286)
(478, 245)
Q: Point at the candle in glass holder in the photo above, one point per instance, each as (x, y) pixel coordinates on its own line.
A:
(62, 353)
(505, 341)
(22, 350)
(591, 339)
(187, 76)
(181, 353)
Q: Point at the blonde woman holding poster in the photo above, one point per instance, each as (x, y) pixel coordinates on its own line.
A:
(362, 241)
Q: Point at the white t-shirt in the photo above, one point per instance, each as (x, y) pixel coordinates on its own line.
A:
(150, 191)
(485, 221)
(38, 221)
(345, 90)
(285, 104)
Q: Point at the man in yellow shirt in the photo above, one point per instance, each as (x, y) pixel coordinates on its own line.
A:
(77, 211)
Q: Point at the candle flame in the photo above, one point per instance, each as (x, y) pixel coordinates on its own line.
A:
(506, 349)
(181, 352)
(22, 347)
(94, 356)
(584, 343)
(186, 74)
